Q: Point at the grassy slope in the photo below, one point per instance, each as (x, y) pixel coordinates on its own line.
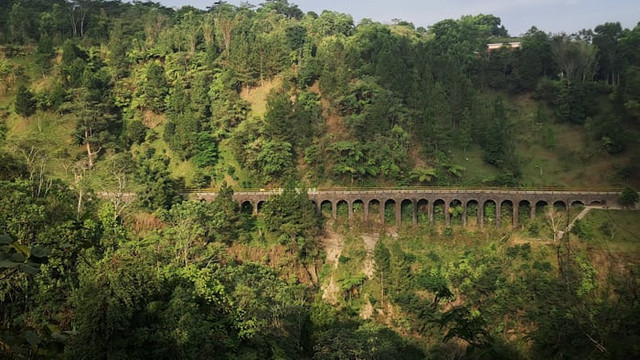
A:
(615, 231)
(569, 159)
(572, 160)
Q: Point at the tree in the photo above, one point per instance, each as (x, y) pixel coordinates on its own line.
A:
(159, 190)
(382, 259)
(189, 227)
(94, 123)
(45, 52)
(117, 181)
(575, 58)
(536, 59)
(292, 217)
(25, 104)
(629, 197)
(606, 39)
(275, 159)
(495, 139)
(136, 132)
(554, 219)
(227, 222)
(155, 88)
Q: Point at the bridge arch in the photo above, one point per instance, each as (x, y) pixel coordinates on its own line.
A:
(326, 207)
(540, 207)
(258, 206)
(489, 212)
(525, 211)
(342, 208)
(456, 212)
(408, 211)
(390, 212)
(246, 207)
(508, 213)
(560, 205)
(357, 209)
(375, 208)
(439, 215)
(473, 211)
(423, 212)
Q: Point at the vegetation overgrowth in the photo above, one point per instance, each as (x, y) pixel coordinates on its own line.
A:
(115, 97)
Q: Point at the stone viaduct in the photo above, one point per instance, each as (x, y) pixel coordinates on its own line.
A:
(425, 201)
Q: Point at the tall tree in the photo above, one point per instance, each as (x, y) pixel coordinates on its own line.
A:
(25, 104)
(606, 38)
(155, 88)
(575, 58)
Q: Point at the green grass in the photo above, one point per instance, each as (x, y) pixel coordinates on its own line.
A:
(241, 178)
(177, 167)
(617, 230)
(475, 169)
(257, 96)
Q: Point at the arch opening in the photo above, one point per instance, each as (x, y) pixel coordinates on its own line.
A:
(407, 210)
(422, 211)
(374, 210)
(438, 211)
(524, 212)
(455, 212)
(326, 208)
(390, 212)
(472, 211)
(246, 207)
(489, 212)
(541, 207)
(560, 205)
(506, 212)
(575, 208)
(358, 209)
(342, 208)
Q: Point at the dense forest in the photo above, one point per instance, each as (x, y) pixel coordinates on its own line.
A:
(108, 97)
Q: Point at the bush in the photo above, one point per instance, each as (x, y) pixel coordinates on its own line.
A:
(136, 132)
(629, 197)
(582, 229)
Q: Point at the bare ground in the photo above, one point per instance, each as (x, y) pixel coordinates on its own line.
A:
(332, 244)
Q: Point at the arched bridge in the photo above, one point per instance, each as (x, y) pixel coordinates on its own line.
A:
(425, 201)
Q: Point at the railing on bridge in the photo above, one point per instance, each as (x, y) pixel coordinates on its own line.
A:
(422, 188)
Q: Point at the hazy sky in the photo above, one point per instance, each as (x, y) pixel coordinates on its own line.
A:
(517, 15)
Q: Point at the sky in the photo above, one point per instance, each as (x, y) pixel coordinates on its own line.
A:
(517, 15)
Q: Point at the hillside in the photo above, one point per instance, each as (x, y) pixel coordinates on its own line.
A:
(331, 105)
(110, 111)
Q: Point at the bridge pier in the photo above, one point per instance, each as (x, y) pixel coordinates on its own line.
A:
(398, 213)
(480, 214)
(334, 209)
(515, 215)
(365, 210)
(464, 213)
(447, 214)
(350, 205)
(255, 208)
(532, 211)
(414, 212)
(430, 209)
(383, 205)
(498, 213)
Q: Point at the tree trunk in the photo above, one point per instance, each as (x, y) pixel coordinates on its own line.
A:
(89, 154)
(79, 209)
